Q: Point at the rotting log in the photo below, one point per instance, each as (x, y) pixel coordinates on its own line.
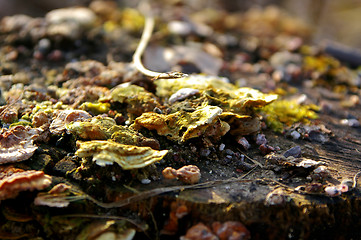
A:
(301, 216)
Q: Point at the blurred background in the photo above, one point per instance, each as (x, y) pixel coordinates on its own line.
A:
(333, 20)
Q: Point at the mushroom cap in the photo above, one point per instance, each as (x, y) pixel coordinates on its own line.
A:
(11, 186)
(16, 144)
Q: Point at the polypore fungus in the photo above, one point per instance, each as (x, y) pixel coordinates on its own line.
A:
(11, 186)
(127, 156)
(64, 117)
(16, 144)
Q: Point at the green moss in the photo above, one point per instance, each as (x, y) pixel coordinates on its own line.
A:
(283, 112)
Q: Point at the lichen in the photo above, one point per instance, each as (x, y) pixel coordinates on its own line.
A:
(285, 113)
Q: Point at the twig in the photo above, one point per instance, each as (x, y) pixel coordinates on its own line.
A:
(146, 35)
(252, 160)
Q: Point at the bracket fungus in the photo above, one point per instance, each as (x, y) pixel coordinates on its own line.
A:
(181, 126)
(64, 117)
(237, 107)
(217, 91)
(138, 100)
(11, 186)
(103, 128)
(128, 136)
(17, 144)
(95, 129)
(127, 156)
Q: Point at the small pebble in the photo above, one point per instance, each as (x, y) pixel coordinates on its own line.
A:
(145, 181)
(294, 152)
(55, 55)
(326, 106)
(222, 146)
(295, 135)
(44, 45)
(182, 94)
(332, 191)
(350, 122)
(320, 169)
(157, 110)
(205, 152)
(245, 144)
(12, 56)
(317, 136)
(266, 149)
(276, 197)
(229, 151)
(179, 27)
(261, 139)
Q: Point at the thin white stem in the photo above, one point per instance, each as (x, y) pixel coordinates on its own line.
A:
(146, 35)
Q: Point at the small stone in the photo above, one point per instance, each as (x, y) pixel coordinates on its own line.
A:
(320, 169)
(326, 106)
(180, 28)
(266, 149)
(44, 45)
(157, 110)
(204, 152)
(261, 139)
(332, 191)
(243, 141)
(182, 94)
(145, 181)
(229, 151)
(317, 136)
(350, 122)
(221, 147)
(276, 197)
(295, 135)
(294, 152)
(56, 55)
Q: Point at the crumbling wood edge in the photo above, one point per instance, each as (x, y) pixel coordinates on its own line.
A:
(303, 217)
